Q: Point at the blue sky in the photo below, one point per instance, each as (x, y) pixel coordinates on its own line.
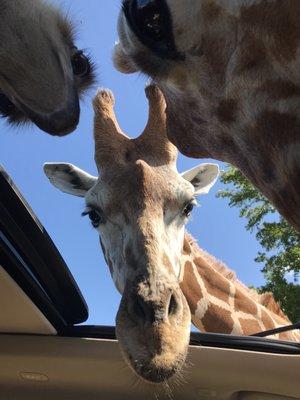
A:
(23, 151)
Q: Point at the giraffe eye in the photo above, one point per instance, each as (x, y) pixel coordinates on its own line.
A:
(6, 106)
(95, 217)
(187, 211)
(80, 64)
(151, 21)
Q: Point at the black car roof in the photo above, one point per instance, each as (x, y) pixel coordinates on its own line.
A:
(30, 257)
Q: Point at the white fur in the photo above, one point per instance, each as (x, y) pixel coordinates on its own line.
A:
(56, 173)
(207, 174)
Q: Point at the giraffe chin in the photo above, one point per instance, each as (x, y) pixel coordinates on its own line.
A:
(155, 373)
(150, 364)
(154, 351)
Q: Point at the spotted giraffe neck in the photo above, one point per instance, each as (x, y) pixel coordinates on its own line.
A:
(220, 303)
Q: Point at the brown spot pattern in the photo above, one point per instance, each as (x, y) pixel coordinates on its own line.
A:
(268, 301)
(279, 21)
(190, 287)
(227, 111)
(284, 336)
(278, 124)
(217, 320)
(211, 11)
(244, 304)
(215, 283)
(213, 47)
(186, 247)
(251, 56)
(279, 89)
(266, 320)
(249, 326)
(167, 263)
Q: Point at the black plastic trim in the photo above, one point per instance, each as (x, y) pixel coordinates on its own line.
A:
(248, 343)
(28, 237)
(15, 268)
(286, 328)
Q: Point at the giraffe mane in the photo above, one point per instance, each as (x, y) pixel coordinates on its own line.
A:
(265, 299)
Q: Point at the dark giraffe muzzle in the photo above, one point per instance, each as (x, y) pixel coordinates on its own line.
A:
(153, 324)
(61, 121)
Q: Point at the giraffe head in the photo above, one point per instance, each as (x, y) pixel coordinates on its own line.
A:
(229, 72)
(184, 47)
(42, 73)
(140, 205)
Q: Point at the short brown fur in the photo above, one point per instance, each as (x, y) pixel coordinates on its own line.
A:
(235, 93)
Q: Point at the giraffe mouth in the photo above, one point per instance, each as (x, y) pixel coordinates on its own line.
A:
(60, 122)
(153, 365)
(157, 374)
(154, 342)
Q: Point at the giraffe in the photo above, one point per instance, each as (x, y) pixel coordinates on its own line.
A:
(220, 303)
(140, 205)
(42, 72)
(230, 73)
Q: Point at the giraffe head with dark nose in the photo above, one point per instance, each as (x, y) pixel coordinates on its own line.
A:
(42, 72)
(140, 205)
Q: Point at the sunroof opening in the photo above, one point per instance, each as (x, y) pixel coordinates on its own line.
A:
(218, 229)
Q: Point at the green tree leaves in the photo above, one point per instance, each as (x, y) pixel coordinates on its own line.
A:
(281, 243)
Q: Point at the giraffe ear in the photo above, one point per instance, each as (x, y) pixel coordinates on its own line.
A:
(69, 179)
(202, 177)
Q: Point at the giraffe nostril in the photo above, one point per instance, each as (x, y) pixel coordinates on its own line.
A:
(173, 305)
(144, 311)
(147, 310)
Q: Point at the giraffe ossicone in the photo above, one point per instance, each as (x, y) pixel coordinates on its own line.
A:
(140, 205)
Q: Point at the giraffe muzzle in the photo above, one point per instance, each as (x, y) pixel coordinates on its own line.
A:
(153, 327)
(61, 121)
(156, 311)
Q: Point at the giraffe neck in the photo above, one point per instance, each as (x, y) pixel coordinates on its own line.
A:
(277, 179)
(219, 303)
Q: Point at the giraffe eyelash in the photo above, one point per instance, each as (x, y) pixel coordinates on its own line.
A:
(186, 211)
(85, 213)
(96, 216)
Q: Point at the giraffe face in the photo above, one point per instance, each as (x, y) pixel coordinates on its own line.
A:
(42, 73)
(178, 42)
(140, 214)
(184, 47)
(139, 205)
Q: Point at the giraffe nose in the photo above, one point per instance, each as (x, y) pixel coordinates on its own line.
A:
(60, 122)
(158, 310)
